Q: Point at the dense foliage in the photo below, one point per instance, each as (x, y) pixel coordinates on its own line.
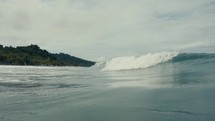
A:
(33, 55)
(73, 61)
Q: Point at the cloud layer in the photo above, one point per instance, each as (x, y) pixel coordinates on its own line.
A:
(93, 28)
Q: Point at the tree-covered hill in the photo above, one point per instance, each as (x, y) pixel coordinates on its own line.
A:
(33, 55)
(73, 61)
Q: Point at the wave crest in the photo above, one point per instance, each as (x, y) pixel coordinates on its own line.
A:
(133, 62)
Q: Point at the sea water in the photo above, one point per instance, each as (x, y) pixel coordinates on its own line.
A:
(154, 87)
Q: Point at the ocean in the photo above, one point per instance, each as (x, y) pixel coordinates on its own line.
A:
(165, 86)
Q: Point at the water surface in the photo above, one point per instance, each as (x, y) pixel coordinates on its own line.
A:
(179, 91)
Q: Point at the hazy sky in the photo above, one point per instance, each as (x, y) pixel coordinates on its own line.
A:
(94, 28)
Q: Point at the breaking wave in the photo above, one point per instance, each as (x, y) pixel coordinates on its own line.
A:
(151, 59)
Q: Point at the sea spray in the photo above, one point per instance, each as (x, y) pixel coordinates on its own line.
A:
(134, 62)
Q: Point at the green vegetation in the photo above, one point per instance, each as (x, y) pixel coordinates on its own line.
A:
(73, 61)
(33, 55)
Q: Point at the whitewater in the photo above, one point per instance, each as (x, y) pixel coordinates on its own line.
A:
(135, 62)
(163, 86)
(150, 59)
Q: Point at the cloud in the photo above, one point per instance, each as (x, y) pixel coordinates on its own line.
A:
(108, 28)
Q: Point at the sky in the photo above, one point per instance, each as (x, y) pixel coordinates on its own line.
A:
(108, 28)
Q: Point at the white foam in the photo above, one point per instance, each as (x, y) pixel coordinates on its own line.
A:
(133, 62)
(141, 84)
(10, 80)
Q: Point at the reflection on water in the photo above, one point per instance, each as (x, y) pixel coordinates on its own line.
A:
(159, 77)
(168, 92)
(145, 84)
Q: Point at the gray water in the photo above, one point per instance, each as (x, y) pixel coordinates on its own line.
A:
(169, 92)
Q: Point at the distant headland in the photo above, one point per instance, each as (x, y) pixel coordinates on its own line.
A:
(33, 55)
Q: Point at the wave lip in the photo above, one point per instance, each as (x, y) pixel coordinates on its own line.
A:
(134, 62)
(192, 56)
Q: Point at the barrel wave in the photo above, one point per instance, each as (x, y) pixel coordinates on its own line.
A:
(153, 59)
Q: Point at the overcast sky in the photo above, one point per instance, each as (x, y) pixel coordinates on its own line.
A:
(94, 28)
